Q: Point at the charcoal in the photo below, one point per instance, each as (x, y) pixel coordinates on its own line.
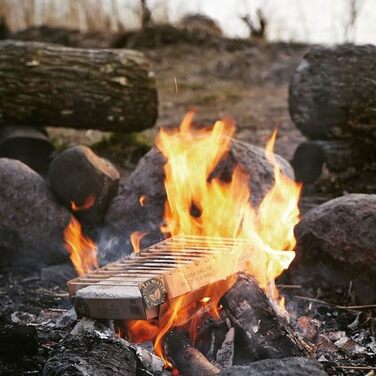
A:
(90, 349)
(277, 367)
(127, 214)
(79, 176)
(341, 230)
(32, 222)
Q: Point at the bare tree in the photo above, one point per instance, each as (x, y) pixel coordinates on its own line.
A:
(355, 6)
(145, 15)
(257, 29)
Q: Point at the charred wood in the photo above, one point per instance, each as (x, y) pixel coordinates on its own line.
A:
(262, 332)
(333, 93)
(187, 359)
(91, 350)
(50, 85)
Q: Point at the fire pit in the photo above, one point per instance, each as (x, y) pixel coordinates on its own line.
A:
(197, 263)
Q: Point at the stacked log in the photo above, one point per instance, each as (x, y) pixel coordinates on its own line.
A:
(332, 100)
(47, 85)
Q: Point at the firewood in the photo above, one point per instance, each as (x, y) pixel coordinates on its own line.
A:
(187, 359)
(17, 340)
(333, 92)
(49, 85)
(264, 334)
(91, 350)
(27, 144)
(337, 155)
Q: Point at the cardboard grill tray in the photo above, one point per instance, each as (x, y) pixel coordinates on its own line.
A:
(136, 286)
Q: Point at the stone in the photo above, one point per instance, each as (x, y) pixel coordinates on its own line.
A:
(140, 203)
(32, 222)
(277, 367)
(79, 176)
(341, 230)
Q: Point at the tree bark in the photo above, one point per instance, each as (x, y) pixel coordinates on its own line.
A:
(262, 332)
(50, 85)
(333, 93)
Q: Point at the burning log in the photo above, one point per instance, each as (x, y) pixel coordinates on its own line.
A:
(26, 144)
(187, 359)
(91, 350)
(31, 222)
(17, 340)
(264, 334)
(332, 92)
(84, 182)
(50, 85)
(337, 155)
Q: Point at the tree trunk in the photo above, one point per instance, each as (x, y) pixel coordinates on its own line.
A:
(50, 85)
(333, 93)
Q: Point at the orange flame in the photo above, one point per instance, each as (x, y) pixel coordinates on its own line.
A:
(136, 238)
(89, 202)
(82, 250)
(142, 200)
(199, 204)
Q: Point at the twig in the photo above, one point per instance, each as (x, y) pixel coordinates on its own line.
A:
(366, 368)
(289, 286)
(335, 305)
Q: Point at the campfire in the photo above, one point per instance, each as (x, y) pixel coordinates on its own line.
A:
(193, 252)
(213, 232)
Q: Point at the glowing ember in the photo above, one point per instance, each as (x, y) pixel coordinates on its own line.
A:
(142, 200)
(82, 251)
(200, 205)
(136, 238)
(89, 202)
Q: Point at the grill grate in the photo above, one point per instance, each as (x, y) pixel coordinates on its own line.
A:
(136, 286)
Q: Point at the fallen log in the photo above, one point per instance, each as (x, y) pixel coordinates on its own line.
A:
(263, 333)
(333, 92)
(338, 155)
(187, 359)
(49, 85)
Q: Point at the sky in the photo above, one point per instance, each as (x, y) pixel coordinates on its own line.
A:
(312, 21)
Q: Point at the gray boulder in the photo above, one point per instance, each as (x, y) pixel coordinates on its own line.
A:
(32, 222)
(126, 214)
